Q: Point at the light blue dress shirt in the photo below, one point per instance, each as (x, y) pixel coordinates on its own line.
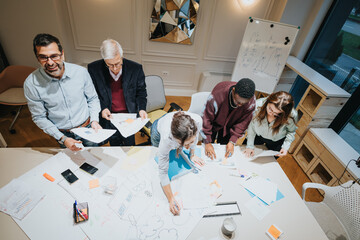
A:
(61, 104)
(264, 128)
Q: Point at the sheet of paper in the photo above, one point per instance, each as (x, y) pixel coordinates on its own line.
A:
(123, 116)
(18, 198)
(257, 208)
(128, 127)
(266, 153)
(262, 188)
(203, 194)
(93, 136)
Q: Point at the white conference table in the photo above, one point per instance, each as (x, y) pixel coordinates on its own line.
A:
(290, 214)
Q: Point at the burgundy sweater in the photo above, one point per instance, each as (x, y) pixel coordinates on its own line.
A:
(217, 115)
(118, 104)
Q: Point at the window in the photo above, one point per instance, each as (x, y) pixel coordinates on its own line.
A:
(335, 53)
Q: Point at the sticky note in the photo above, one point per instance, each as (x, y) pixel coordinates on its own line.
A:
(129, 120)
(48, 177)
(94, 183)
(274, 232)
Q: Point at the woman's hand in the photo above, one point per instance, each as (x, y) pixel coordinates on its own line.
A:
(282, 153)
(174, 206)
(249, 152)
(198, 160)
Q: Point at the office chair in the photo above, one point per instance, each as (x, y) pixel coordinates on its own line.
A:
(11, 88)
(339, 213)
(198, 101)
(156, 102)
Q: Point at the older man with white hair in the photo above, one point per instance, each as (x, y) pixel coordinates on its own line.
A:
(120, 85)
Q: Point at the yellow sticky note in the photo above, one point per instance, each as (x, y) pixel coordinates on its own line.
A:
(274, 232)
(94, 183)
(129, 120)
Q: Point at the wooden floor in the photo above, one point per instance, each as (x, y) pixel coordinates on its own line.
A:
(29, 135)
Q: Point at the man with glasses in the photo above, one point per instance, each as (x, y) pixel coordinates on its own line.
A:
(120, 84)
(228, 112)
(60, 95)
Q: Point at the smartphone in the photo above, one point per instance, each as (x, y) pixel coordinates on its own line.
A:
(88, 168)
(69, 176)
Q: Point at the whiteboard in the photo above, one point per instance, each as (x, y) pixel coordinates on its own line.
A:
(263, 53)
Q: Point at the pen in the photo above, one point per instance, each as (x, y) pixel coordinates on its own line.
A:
(82, 214)
(177, 208)
(77, 215)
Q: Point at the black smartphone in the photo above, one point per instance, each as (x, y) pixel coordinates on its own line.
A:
(69, 176)
(88, 168)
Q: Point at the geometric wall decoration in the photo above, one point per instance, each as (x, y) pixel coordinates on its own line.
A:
(174, 21)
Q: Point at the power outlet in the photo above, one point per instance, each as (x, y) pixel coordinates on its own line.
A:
(165, 73)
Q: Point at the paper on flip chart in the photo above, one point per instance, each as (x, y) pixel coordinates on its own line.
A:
(93, 136)
(127, 125)
(262, 188)
(18, 198)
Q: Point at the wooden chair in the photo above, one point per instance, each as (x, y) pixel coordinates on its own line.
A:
(11, 88)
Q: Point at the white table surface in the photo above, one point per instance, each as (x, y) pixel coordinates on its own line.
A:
(290, 214)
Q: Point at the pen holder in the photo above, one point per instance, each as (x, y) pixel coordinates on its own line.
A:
(228, 227)
(81, 212)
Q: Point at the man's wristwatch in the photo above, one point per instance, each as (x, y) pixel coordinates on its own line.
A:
(232, 142)
(62, 140)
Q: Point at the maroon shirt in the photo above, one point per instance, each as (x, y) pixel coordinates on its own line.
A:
(118, 104)
(217, 114)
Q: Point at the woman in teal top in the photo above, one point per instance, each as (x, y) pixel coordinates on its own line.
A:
(273, 124)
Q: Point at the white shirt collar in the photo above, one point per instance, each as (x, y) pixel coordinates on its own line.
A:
(117, 76)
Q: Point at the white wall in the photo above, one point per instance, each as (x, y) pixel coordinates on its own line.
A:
(81, 25)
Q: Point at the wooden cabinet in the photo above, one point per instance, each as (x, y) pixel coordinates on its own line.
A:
(320, 103)
(323, 155)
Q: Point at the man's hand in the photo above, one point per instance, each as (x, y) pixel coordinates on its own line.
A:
(229, 149)
(106, 114)
(282, 153)
(95, 125)
(209, 151)
(143, 114)
(249, 152)
(70, 144)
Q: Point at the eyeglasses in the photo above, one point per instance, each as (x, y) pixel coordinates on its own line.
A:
(112, 66)
(54, 57)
